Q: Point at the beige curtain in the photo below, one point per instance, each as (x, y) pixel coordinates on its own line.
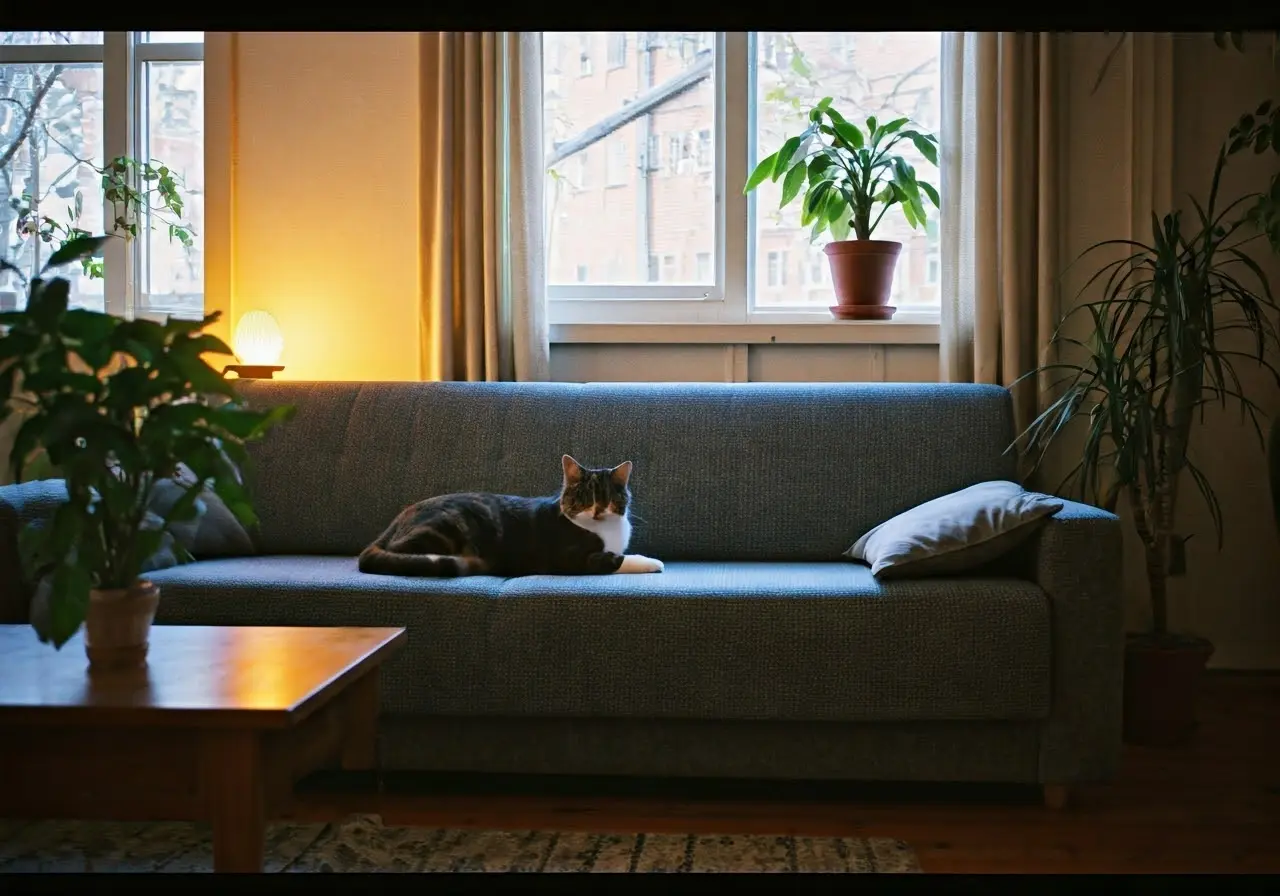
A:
(1000, 264)
(483, 278)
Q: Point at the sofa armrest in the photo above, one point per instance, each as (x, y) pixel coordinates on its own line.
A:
(1076, 558)
(20, 505)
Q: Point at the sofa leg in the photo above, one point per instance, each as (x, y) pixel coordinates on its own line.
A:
(1056, 796)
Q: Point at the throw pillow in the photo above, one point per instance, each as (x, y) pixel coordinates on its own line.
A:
(215, 532)
(954, 533)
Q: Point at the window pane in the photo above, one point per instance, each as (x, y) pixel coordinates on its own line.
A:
(49, 38)
(887, 74)
(54, 167)
(175, 139)
(646, 190)
(173, 37)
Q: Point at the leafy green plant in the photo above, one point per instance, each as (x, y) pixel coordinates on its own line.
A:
(844, 173)
(1157, 354)
(116, 405)
(137, 190)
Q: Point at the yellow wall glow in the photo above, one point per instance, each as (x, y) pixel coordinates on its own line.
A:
(325, 231)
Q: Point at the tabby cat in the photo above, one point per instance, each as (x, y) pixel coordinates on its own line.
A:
(584, 530)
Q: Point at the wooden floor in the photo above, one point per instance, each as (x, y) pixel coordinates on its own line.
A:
(1213, 806)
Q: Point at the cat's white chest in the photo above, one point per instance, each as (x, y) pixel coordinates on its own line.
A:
(614, 531)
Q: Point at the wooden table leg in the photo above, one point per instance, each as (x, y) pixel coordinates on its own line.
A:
(360, 740)
(232, 778)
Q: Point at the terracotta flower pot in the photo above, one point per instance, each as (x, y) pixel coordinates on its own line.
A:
(862, 272)
(117, 628)
(1161, 679)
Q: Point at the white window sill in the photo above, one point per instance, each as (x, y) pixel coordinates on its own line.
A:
(915, 329)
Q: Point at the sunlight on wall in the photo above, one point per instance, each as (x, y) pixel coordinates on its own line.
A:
(325, 221)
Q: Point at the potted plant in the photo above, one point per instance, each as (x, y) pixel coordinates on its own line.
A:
(1159, 349)
(847, 178)
(117, 406)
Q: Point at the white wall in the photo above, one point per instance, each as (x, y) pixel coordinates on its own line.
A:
(325, 226)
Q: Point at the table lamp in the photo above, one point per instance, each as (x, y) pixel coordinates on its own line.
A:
(257, 343)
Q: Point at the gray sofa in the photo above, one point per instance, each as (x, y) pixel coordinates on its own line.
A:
(758, 653)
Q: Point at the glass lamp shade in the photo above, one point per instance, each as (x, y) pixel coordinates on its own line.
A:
(257, 339)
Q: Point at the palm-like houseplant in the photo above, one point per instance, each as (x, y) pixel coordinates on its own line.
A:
(847, 178)
(1160, 349)
(120, 408)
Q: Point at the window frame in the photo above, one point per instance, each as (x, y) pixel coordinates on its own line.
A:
(615, 50)
(123, 56)
(617, 163)
(730, 299)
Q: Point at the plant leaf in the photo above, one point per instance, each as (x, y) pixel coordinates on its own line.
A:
(849, 133)
(68, 603)
(931, 193)
(76, 249)
(926, 148)
(792, 183)
(763, 170)
(892, 127)
(783, 162)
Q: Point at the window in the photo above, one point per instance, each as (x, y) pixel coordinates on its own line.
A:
(653, 154)
(777, 269)
(773, 50)
(675, 152)
(584, 54)
(617, 56)
(704, 149)
(684, 197)
(80, 87)
(668, 268)
(616, 164)
(839, 46)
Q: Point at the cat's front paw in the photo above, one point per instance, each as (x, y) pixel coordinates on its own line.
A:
(638, 563)
(604, 563)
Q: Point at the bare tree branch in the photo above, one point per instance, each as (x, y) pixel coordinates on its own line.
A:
(25, 131)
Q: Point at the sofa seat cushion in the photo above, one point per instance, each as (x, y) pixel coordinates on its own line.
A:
(442, 669)
(744, 640)
(741, 640)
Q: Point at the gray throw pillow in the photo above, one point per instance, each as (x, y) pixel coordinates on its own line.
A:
(215, 532)
(955, 533)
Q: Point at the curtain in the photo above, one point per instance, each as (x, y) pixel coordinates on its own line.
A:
(999, 175)
(483, 276)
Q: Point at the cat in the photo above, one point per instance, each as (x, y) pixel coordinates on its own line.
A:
(584, 530)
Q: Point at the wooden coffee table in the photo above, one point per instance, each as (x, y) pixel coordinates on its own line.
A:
(219, 727)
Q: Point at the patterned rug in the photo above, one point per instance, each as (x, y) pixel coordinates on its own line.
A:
(363, 843)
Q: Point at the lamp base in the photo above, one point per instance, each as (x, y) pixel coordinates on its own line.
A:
(252, 371)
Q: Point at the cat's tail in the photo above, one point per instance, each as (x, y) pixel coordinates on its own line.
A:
(378, 560)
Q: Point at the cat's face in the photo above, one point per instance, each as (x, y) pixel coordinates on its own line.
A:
(596, 493)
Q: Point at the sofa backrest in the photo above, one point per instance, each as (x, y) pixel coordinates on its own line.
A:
(722, 471)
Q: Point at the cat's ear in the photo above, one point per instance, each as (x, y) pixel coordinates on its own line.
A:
(572, 470)
(621, 473)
